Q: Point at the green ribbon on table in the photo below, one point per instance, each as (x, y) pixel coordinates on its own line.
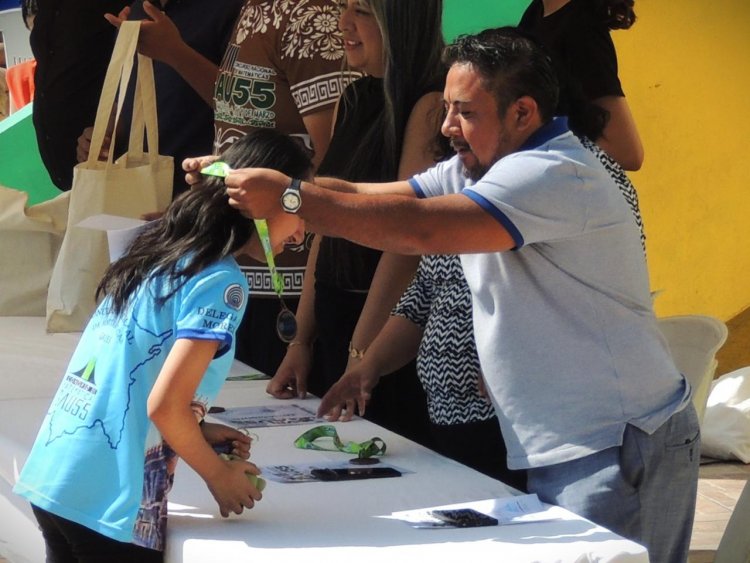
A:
(366, 449)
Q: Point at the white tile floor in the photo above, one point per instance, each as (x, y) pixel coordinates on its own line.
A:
(719, 486)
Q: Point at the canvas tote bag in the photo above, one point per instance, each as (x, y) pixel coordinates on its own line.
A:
(138, 182)
(30, 238)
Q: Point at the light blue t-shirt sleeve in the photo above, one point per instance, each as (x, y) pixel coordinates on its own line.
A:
(212, 305)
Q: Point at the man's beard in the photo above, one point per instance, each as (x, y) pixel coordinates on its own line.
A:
(475, 172)
(472, 171)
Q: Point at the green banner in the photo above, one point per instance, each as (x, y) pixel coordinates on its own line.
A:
(472, 16)
(21, 166)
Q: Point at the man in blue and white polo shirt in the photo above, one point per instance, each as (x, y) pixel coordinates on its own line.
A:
(588, 397)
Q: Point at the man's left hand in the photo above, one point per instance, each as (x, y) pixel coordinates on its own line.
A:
(256, 191)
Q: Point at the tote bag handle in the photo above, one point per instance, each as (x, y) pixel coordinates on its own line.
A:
(144, 113)
(144, 103)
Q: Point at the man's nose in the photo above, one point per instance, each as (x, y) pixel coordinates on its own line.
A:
(450, 127)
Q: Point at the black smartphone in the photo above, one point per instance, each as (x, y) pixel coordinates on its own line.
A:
(350, 473)
(464, 517)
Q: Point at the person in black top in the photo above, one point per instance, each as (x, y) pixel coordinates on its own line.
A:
(577, 35)
(72, 44)
(205, 26)
(385, 129)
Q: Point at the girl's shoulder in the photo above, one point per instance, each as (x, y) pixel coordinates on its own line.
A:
(221, 272)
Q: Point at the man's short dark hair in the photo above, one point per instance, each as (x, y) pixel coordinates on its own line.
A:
(511, 65)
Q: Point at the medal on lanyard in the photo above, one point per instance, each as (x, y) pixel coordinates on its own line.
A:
(286, 322)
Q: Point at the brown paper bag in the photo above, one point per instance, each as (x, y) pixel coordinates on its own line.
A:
(138, 182)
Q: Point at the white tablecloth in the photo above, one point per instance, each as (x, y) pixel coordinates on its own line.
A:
(302, 522)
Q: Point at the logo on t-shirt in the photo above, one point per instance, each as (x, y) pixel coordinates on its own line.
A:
(234, 296)
(77, 407)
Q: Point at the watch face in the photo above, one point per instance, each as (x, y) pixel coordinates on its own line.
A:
(291, 201)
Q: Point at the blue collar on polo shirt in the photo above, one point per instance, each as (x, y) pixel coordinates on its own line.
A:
(558, 126)
(546, 132)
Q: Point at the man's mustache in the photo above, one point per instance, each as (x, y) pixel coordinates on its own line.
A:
(457, 145)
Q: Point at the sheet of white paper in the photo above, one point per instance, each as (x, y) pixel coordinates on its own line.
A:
(120, 231)
(269, 415)
(509, 510)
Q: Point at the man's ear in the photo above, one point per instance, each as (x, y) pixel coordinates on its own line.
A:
(526, 113)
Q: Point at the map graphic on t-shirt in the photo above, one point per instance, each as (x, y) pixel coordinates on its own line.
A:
(74, 408)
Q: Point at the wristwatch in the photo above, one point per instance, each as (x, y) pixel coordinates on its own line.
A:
(291, 199)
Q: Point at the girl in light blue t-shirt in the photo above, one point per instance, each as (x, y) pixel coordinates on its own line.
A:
(149, 363)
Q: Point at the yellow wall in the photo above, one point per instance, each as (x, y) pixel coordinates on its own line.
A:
(685, 67)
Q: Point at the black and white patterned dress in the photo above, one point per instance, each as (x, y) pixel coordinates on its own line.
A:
(439, 301)
(623, 182)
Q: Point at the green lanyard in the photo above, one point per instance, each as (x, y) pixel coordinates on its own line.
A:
(286, 323)
(366, 449)
(222, 170)
(265, 240)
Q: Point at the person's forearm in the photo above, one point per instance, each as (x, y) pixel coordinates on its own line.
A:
(369, 221)
(318, 126)
(181, 431)
(392, 277)
(402, 224)
(394, 347)
(343, 186)
(620, 138)
(306, 307)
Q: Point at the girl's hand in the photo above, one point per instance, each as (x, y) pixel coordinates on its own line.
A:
(232, 489)
(220, 434)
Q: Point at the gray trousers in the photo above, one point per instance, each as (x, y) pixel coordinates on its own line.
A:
(644, 490)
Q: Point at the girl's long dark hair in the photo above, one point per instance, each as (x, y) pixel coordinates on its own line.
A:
(199, 225)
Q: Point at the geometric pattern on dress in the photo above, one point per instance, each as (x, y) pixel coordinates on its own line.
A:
(627, 189)
(439, 300)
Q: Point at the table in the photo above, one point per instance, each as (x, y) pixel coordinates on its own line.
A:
(310, 522)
